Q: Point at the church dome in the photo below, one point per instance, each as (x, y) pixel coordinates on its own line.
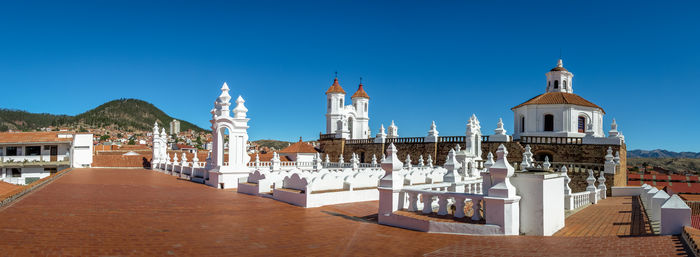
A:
(559, 98)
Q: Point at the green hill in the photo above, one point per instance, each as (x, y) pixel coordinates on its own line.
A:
(124, 114)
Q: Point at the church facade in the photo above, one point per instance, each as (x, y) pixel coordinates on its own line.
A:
(557, 125)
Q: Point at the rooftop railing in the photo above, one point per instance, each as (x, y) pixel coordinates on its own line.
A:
(551, 140)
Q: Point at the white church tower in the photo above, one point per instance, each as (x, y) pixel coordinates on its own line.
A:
(347, 121)
(360, 102)
(335, 96)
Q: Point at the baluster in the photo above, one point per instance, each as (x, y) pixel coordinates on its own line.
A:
(412, 201)
(459, 205)
(476, 207)
(427, 203)
(442, 201)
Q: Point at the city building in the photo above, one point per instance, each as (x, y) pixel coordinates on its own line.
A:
(174, 127)
(29, 156)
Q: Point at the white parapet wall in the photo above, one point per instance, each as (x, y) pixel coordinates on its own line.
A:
(542, 204)
(626, 191)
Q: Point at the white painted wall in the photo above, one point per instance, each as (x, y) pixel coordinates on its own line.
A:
(82, 150)
(565, 120)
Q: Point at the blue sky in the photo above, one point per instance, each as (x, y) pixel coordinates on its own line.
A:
(420, 61)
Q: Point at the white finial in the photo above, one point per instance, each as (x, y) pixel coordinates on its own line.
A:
(381, 129)
(560, 63)
(430, 161)
(240, 111)
(489, 161)
(458, 148)
(499, 127)
(501, 171)
(546, 163)
(567, 180)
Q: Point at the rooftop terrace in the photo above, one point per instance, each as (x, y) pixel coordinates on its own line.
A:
(144, 213)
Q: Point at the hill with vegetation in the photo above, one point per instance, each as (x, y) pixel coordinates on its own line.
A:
(272, 144)
(659, 153)
(677, 165)
(122, 114)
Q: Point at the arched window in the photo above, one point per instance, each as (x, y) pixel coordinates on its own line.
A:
(549, 122)
(340, 105)
(350, 126)
(329, 104)
(549, 84)
(581, 124)
(365, 107)
(556, 84)
(522, 124)
(564, 85)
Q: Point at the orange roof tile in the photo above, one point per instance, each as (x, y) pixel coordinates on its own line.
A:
(299, 147)
(266, 157)
(335, 88)
(34, 137)
(559, 98)
(360, 93)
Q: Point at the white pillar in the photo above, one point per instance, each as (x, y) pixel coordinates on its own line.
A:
(390, 185)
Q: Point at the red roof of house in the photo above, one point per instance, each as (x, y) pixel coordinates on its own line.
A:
(559, 98)
(299, 147)
(335, 88)
(34, 137)
(184, 146)
(266, 157)
(360, 93)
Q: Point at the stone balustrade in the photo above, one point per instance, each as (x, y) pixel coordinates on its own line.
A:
(426, 198)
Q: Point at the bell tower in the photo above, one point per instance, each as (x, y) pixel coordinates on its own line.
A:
(335, 96)
(559, 79)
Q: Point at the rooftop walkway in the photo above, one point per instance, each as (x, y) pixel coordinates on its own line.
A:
(614, 216)
(98, 212)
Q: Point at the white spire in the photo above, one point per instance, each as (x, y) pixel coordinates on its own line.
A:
(432, 133)
(223, 101)
(560, 63)
(240, 111)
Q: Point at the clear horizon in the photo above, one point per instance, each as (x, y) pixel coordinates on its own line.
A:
(419, 62)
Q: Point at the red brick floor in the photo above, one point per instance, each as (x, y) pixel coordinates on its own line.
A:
(107, 212)
(614, 216)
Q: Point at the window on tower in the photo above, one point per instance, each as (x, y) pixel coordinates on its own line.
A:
(329, 104)
(564, 85)
(556, 84)
(549, 122)
(522, 124)
(365, 107)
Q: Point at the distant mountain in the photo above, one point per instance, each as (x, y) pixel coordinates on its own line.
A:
(659, 153)
(125, 114)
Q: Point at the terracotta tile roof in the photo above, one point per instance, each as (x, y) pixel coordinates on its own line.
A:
(559, 98)
(690, 197)
(335, 88)
(266, 157)
(559, 69)
(299, 147)
(360, 93)
(184, 146)
(34, 137)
